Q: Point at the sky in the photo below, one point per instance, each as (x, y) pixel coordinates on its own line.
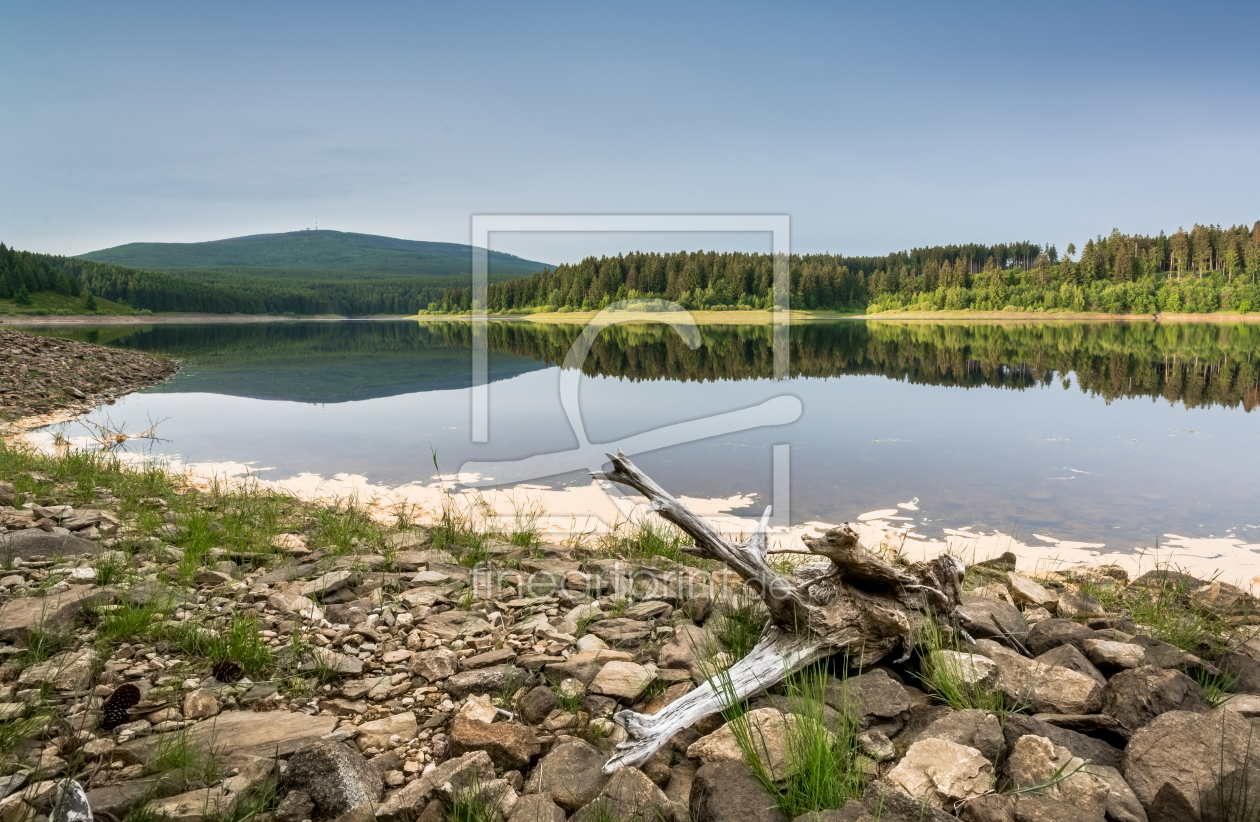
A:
(876, 127)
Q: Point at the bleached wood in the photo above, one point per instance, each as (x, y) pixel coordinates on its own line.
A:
(856, 603)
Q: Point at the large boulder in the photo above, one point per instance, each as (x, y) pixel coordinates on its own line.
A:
(37, 542)
(728, 792)
(1182, 763)
(54, 613)
(943, 773)
(1243, 663)
(876, 698)
(1136, 697)
(335, 776)
(571, 774)
(1067, 656)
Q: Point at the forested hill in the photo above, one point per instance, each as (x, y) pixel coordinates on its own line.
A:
(1206, 269)
(303, 253)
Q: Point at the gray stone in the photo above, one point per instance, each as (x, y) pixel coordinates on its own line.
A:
(1181, 762)
(1075, 605)
(377, 733)
(1051, 633)
(435, 665)
(1037, 763)
(728, 792)
(987, 618)
(295, 807)
(1027, 592)
(1136, 697)
(335, 776)
(407, 804)
(1085, 747)
(536, 808)
(537, 704)
(630, 797)
(886, 802)
(1243, 663)
(278, 733)
(621, 632)
(1042, 688)
(511, 746)
(769, 730)
(1114, 656)
(483, 681)
(1122, 803)
(623, 680)
(32, 542)
(972, 728)
(571, 774)
(54, 613)
(200, 704)
(943, 773)
(69, 671)
(454, 624)
(1068, 656)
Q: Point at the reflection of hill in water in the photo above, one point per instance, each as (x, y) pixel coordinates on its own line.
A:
(1205, 364)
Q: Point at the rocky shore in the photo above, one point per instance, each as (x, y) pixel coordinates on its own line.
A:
(236, 655)
(41, 375)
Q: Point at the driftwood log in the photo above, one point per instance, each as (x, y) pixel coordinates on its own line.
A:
(856, 603)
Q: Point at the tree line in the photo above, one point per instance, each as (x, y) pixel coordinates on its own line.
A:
(217, 292)
(1206, 269)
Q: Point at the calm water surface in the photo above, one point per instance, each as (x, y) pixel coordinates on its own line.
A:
(1115, 433)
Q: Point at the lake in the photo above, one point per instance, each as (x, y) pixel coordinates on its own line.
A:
(1111, 433)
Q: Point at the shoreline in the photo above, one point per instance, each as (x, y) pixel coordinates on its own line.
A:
(701, 317)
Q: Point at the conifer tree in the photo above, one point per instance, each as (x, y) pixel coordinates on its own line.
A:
(90, 303)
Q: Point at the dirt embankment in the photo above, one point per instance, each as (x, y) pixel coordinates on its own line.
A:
(40, 375)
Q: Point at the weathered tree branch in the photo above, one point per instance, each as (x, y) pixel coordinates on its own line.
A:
(856, 603)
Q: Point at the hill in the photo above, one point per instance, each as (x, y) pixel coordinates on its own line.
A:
(313, 255)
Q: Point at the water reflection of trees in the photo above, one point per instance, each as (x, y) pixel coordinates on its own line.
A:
(1193, 364)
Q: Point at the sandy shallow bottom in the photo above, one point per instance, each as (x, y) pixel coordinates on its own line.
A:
(585, 512)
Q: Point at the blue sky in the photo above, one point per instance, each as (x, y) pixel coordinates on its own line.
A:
(877, 127)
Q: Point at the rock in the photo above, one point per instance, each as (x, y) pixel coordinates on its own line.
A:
(279, 733)
(54, 613)
(1122, 803)
(1098, 726)
(496, 796)
(329, 660)
(885, 802)
(970, 669)
(1241, 662)
(206, 578)
(335, 776)
(193, 806)
(971, 728)
(1044, 688)
(1136, 697)
(435, 665)
(323, 585)
(621, 632)
(499, 656)
(1075, 605)
(944, 773)
(571, 774)
(1114, 656)
(483, 680)
(200, 704)
(623, 680)
(728, 792)
(877, 698)
(68, 671)
(537, 704)
(1067, 656)
(688, 644)
(876, 745)
(1086, 747)
(377, 733)
(1027, 592)
(32, 542)
(407, 540)
(1246, 704)
(290, 543)
(768, 728)
(584, 665)
(1051, 633)
(454, 624)
(295, 807)
(407, 804)
(678, 790)
(1223, 600)
(629, 797)
(293, 603)
(536, 808)
(991, 619)
(479, 708)
(510, 745)
(1057, 777)
(1181, 762)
